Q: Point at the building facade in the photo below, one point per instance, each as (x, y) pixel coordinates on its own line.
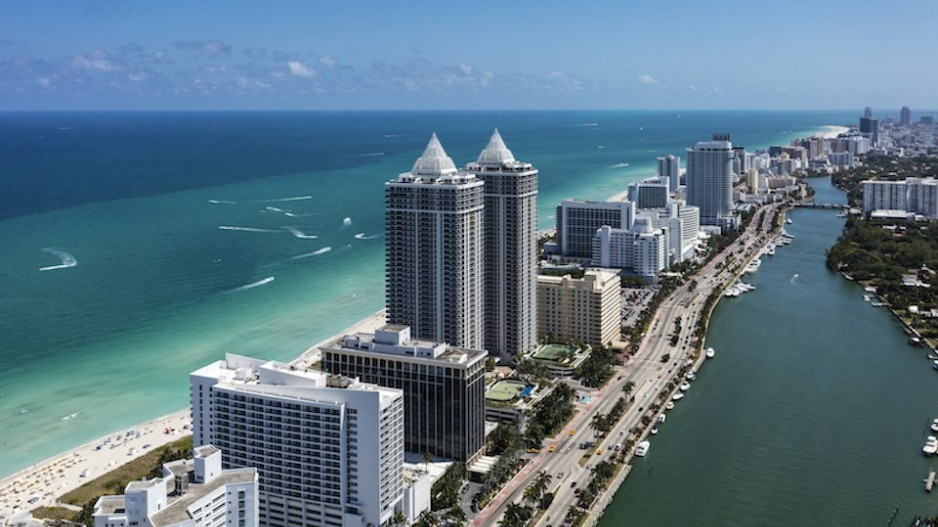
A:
(510, 248)
(434, 266)
(651, 193)
(905, 116)
(444, 387)
(587, 310)
(190, 493)
(329, 450)
(710, 181)
(642, 250)
(578, 220)
(669, 167)
(915, 195)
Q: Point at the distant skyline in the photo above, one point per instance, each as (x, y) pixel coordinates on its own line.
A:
(134, 55)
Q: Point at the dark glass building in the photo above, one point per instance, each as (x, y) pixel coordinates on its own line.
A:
(444, 387)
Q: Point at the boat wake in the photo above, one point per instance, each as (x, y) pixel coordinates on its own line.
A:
(222, 202)
(793, 278)
(291, 198)
(372, 154)
(347, 221)
(70, 416)
(317, 252)
(587, 124)
(603, 147)
(300, 234)
(619, 165)
(243, 229)
(67, 260)
(252, 285)
(361, 236)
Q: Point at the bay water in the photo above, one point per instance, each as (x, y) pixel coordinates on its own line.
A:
(813, 412)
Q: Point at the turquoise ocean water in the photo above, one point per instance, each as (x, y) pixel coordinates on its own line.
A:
(196, 234)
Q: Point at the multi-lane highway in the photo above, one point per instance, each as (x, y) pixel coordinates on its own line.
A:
(562, 455)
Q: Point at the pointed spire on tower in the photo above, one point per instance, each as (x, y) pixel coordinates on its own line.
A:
(433, 161)
(496, 153)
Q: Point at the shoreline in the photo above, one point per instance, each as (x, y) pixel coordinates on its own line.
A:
(37, 479)
(51, 478)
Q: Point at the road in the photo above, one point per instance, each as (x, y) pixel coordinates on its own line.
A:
(649, 375)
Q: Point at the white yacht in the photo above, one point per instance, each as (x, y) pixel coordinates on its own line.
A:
(642, 448)
(662, 418)
(769, 250)
(690, 376)
(669, 406)
(654, 430)
(677, 397)
(684, 386)
(710, 353)
(934, 425)
(931, 446)
(753, 266)
(788, 221)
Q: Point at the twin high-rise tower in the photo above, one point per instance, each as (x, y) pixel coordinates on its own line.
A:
(461, 259)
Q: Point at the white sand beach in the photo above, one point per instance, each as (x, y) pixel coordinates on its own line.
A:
(43, 483)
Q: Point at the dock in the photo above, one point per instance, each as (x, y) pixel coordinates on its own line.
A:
(930, 481)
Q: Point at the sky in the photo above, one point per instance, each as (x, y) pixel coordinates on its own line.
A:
(479, 54)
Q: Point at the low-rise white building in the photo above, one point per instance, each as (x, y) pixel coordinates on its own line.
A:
(642, 250)
(190, 493)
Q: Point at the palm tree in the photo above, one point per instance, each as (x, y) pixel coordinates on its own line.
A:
(515, 515)
(531, 494)
(627, 389)
(541, 482)
(456, 516)
(398, 519)
(427, 519)
(599, 424)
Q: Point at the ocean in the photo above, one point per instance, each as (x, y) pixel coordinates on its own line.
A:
(139, 246)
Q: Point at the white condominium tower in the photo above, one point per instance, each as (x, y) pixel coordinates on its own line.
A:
(669, 167)
(329, 450)
(710, 180)
(510, 238)
(433, 225)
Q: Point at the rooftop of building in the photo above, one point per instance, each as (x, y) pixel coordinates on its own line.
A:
(497, 157)
(110, 505)
(595, 278)
(284, 380)
(395, 340)
(178, 511)
(434, 167)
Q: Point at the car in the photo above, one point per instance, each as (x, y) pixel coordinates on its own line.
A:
(573, 484)
(533, 450)
(572, 432)
(599, 452)
(553, 448)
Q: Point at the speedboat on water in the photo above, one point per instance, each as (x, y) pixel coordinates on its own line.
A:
(934, 425)
(677, 397)
(711, 352)
(654, 430)
(684, 386)
(669, 406)
(642, 448)
(662, 418)
(931, 446)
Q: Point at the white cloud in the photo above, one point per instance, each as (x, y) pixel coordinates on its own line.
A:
(646, 79)
(716, 89)
(301, 70)
(466, 69)
(693, 88)
(327, 61)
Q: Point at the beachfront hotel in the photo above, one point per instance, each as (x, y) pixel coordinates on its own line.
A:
(586, 310)
(642, 250)
(329, 450)
(669, 168)
(444, 387)
(578, 220)
(195, 492)
(510, 242)
(709, 180)
(433, 264)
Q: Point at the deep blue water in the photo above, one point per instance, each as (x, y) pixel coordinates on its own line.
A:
(158, 289)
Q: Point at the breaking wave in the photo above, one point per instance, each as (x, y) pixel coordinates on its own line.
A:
(243, 229)
(222, 202)
(619, 165)
(361, 236)
(291, 198)
(252, 285)
(317, 252)
(300, 234)
(372, 154)
(67, 260)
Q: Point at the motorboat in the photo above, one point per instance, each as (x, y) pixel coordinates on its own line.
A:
(788, 221)
(711, 352)
(654, 430)
(669, 406)
(662, 418)
(690, 376)
(642, 448)
(931, 446)
(684, 386)
(934, 425)
(934, 364)
(677, 397)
